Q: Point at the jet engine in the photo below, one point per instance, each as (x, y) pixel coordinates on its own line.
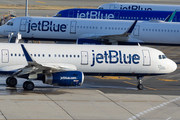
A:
(64, 78)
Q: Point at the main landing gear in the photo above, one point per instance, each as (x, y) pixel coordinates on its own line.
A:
(12, 82)
(140, 83)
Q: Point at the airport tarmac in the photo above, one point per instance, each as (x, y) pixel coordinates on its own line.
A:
(99, 98)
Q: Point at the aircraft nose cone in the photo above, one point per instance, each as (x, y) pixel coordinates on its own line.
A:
(172, 66)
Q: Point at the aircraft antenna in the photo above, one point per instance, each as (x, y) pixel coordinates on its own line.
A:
(139, 44)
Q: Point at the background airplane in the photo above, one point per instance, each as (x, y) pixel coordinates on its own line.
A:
(56, 64)
(118, 14)
(139, 6)
(85, 30)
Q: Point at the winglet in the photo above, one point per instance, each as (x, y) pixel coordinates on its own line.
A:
(27, 55)
(170, 17)
(129, 31)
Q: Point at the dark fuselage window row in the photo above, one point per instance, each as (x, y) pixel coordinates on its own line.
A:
(49, 55)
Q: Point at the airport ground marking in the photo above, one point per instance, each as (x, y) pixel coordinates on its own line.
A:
(136, 85)
(154, 108)
(114, 77)
(167, 80)
(40, 2)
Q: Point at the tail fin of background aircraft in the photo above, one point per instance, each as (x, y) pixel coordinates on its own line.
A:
(170, 17)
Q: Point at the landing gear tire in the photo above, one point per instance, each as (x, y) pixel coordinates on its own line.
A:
(140, 83)
(140, 86)
(28, 85)
(11, 81)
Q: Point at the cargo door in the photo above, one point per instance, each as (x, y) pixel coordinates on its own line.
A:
(146, 58)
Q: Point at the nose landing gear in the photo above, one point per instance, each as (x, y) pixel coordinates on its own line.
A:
(140, 83)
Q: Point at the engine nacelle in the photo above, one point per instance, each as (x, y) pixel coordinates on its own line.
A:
(65, 78)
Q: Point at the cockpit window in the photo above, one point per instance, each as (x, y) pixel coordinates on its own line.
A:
(162, 57)
(58, 15)
(100, 8)
(10, 23)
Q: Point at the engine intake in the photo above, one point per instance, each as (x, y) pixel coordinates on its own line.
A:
(65, 78)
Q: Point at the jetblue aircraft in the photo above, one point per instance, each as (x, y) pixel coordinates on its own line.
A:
(85, 30)
(117, 14)
(139, 6)
(56, 64)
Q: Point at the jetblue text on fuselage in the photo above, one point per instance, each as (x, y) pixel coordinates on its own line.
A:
(134, 7)
(114, 57)
(46, 26)
(94, 15)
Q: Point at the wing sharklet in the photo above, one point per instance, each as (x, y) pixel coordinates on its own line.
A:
(29, 59)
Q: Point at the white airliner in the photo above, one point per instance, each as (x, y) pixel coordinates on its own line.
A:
(107, 31)
(66, 65)
(139, 6)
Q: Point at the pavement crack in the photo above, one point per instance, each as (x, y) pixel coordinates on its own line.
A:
(118, 105)
(3, 115)
(168, 100)
(59, 106)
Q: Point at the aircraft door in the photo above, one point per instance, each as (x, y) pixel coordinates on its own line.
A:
(116, 15)
(84, 57)
(73, 27)
(113, 7)
(22, 27)
(4, 56)
(146, 58)
(136, 30)
(71, 14)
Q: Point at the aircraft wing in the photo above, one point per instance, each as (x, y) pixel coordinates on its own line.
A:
(34, 68)
(115, 37)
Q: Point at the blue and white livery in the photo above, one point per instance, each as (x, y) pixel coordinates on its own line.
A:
(105, 31)
(140, 6)
(66, 65)
(117, 14)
